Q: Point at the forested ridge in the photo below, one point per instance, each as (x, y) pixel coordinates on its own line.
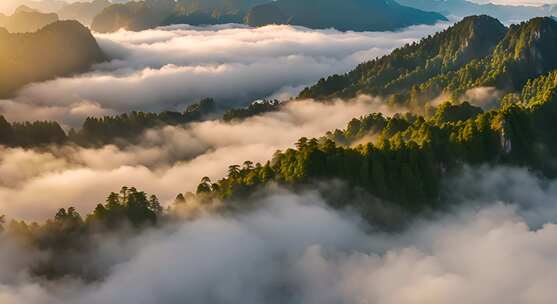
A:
(403, 159)
(99, 131)
(124, 128)
(410, 154)
(399, 161)
(402, 167)
(476, 52)
(59, 49)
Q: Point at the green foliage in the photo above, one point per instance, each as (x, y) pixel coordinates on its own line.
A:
(449, 112)
(130, 205)
(371, 126)
(122, 128)
(67, 236)
(397, 73)
(410, 155)
(476, 52)
(255, 108)
(30, 134)
(127, 127)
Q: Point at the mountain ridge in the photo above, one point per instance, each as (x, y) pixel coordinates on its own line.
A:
(356, 15)
(58, 49)
(506, 61)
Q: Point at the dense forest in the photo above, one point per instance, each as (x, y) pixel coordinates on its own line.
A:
(402, 159)
(408, 155)
(123, 128)
(399, 161)
(69, 236)
(402, 166)
(476, 52)
(100, 131)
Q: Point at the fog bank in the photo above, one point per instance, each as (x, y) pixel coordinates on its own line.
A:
(168, 68)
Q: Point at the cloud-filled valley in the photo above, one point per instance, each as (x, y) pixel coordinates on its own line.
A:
(167, 161)
(494, 252)
(169, 68)
(440, 188)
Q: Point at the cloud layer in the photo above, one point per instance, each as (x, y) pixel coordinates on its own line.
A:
(168, 160)
(168, 68)
(487, 253)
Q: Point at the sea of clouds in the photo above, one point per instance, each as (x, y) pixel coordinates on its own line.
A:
(35, 183)
(169, 68)
(499, 246)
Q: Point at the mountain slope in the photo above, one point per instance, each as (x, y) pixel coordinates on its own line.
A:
(473, 38)
(488, 55)
(411, 155)
(25, 19)
(61, 48)
(358, 15)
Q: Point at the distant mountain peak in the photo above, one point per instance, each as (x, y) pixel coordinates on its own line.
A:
(58, 49)
(25, 9)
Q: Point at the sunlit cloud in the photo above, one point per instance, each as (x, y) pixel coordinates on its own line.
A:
(171, 67)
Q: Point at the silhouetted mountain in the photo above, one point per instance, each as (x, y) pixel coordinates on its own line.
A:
(26, 19)
(61, 48)
(133, 16)
(463, 8)
(358, 15)
(83, 12)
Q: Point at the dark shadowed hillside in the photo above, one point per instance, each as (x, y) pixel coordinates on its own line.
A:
(356, 15)
(61, 48)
